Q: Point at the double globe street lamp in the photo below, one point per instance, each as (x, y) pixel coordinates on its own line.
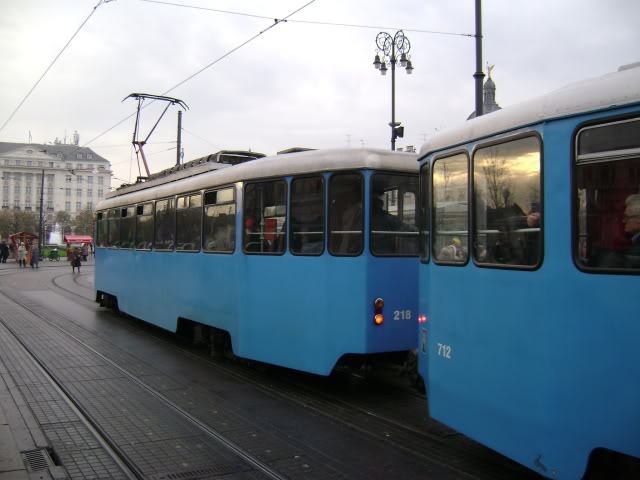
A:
(388, 50)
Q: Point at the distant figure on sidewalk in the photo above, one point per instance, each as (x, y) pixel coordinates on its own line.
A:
(76, 260)
(35, 257)
(85, 251)
(22, 255)
(4, 251)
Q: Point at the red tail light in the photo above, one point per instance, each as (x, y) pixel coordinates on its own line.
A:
(422, 319)
(378, 305)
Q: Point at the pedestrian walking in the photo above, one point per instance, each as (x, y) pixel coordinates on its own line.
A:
(22, 255)
(35, 257)
(76, 260)
(85, 251)
(4, 251)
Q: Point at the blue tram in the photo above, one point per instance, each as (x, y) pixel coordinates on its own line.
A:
(529, 331)
(304, 260)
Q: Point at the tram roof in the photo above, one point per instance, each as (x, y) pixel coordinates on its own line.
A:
(298, 163)
(607, 91)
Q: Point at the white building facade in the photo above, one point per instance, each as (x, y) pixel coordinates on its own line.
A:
(74, 177)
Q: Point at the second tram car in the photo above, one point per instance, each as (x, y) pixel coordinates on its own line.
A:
(530, 255)
(302, 260)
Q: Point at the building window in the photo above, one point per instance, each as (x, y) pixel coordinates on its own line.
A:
(78, 206)
(79, 192)
(40, 164)
(89, 156)
(29, 163)
(67, 192)
(49, 191)
(100, 179)
(49, 204)
(79, 155)
(6, 162)
(67, 206)
(79, 178)
(89, 193)
(16, 203)
(5, 203)
(27, 204)
(100, 193)
(28, 190)
(29, 152)
(79, 165)
(68, 166)
(90, 205)
(68, 179)
(16, 189)
(59, 154)
(18, 163)
(50, 164)
(28, 177)
(90, 180)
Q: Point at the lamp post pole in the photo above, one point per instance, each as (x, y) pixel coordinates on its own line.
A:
(389, 48)
(41, 212)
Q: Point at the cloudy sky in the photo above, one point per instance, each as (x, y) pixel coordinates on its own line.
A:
(308, 82)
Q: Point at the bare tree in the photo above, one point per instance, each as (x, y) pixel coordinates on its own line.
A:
(496, 174)
(83, 223)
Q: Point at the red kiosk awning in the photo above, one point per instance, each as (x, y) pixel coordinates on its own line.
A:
(78, 239)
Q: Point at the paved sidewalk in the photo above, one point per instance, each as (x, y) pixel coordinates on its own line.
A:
(46, 263)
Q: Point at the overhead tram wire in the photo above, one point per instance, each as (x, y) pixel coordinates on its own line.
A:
(276, 22)
(52, 63)
(312, 22)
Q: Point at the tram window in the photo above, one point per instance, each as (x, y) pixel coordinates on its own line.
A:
(607, 198)
(220, 221)
(307, 216)
(102, 229)
(265, 212)
(144, 226)
(188, 223)
(113, 238)
(345, 214)
(425, 201)
(165, 222)
(127, 227)
(393, 215)
(506, 199)
(451, 209)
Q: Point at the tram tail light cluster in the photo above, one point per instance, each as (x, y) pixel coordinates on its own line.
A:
(378, 305)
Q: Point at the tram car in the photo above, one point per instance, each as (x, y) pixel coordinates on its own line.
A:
(306, 260)
(528, 282)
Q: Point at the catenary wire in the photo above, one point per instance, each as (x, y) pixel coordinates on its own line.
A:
(312, 22)
(52, 63)
(276, 22)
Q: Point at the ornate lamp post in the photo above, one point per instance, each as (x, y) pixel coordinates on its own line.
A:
(389, 48)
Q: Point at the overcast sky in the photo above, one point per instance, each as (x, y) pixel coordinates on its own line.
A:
(299, 84)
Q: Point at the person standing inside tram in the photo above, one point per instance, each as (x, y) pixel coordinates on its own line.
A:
(631, 222)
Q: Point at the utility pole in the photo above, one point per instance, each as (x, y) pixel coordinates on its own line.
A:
(479, 75)
(179, 137)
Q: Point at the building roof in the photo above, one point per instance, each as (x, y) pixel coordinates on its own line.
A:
(68, 151)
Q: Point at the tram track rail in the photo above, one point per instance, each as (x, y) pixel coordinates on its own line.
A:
(440, 444)
(128, 466)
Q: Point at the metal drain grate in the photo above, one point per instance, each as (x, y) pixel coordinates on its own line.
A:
(37, 460)
(204, 472)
